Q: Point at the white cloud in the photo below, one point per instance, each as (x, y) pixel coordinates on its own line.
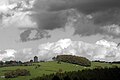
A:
(24, 55)
(15, 13)
(4, 5)
(7, 54)
(101, 50)
(20, 20)
(106, 43)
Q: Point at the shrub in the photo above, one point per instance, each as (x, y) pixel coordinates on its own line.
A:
(16, 73)
(22, 72)
(11, 74)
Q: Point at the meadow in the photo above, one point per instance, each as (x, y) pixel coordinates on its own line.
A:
(49, 68)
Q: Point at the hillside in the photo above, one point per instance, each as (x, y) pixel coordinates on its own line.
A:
(50, 67)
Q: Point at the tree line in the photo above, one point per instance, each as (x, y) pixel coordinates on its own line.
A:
(73, 59)
(87, 74)
(14, 63)
(114, 62)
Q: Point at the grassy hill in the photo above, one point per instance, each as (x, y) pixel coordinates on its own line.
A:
(50, 67)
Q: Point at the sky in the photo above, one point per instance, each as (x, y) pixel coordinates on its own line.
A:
(26, 24)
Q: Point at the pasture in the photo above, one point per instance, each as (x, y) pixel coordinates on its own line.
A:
(49, 68)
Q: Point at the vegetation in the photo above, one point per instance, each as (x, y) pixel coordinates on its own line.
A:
(16, 73)
(15, 63)
(114, 62)
(87, 74)
(73, 59)
(50, 67)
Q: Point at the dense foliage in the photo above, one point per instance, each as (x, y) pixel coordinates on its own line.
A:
(87, 74)
(15, 63)
(16, 73)
(73, 59)
(114, 62)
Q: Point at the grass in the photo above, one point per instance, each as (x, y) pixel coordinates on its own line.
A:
(48, 68)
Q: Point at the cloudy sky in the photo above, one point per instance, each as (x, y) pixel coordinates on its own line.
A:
(26, 24)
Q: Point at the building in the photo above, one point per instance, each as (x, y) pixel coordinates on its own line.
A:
(35, 59)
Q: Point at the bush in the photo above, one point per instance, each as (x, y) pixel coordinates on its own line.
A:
(22, 72)
(16, 73)
(11, 74)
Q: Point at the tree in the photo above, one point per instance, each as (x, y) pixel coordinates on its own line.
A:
(55, 78)
(73, 59)
(1, 63)
(67, 78)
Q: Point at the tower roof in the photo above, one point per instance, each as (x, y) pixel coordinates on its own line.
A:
(35, 57)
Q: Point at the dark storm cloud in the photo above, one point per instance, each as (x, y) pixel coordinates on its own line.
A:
(103, 22)
(53, 14)
(27, 35)
(48, 15)
(45, 4)
(50, 20)
(24, 35)
(110, 16)
(86, 6)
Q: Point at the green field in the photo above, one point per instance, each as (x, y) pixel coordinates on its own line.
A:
(48, 68)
